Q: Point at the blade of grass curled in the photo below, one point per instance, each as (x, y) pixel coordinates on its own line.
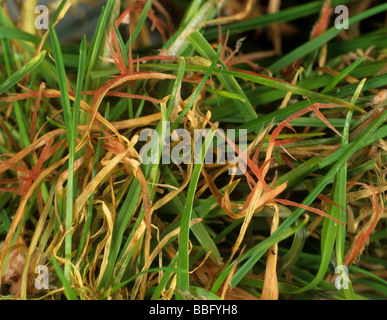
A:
(91, 199)
(165, 114)
(328, 237)
(125, 214)
(196, 92)
(292, 255)
(183, 249)
(129, 204)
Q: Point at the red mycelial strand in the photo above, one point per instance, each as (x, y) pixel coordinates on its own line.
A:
(287, 161)
(36, 108)
(322, 118)
(287, 152)
(284, 142)
(327, 200)
(222, 56)
(374, 115)
(362, 238)
(257, 171)
(14, 190)
(130, 55)
(160, 25)
(302, 206)
(36, 169)
(236, 50)
(8, 164)
(322, 25)
(261, 172)
(116, 54)
(314, 107)
(122, 95)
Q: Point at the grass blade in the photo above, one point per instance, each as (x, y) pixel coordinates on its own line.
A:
(205, 50)
(183, 261)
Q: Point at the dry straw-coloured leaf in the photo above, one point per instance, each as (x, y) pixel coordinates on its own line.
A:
(270, 285)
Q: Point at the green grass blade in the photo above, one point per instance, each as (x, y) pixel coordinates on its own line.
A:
(22, 72)
(141, 21)
(195, 15)
(71, 133)
(317, 42)
(198, 229)
(351, 149)
(13, 33)
(164, 280)
(96, 48)
(69, 292)
(183, 261)
(196, 92)
(206, 51)
(75, 120)
(343, 74)
(253, 256)
(176, 87)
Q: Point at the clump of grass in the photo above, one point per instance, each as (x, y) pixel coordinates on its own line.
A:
(77, 197)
